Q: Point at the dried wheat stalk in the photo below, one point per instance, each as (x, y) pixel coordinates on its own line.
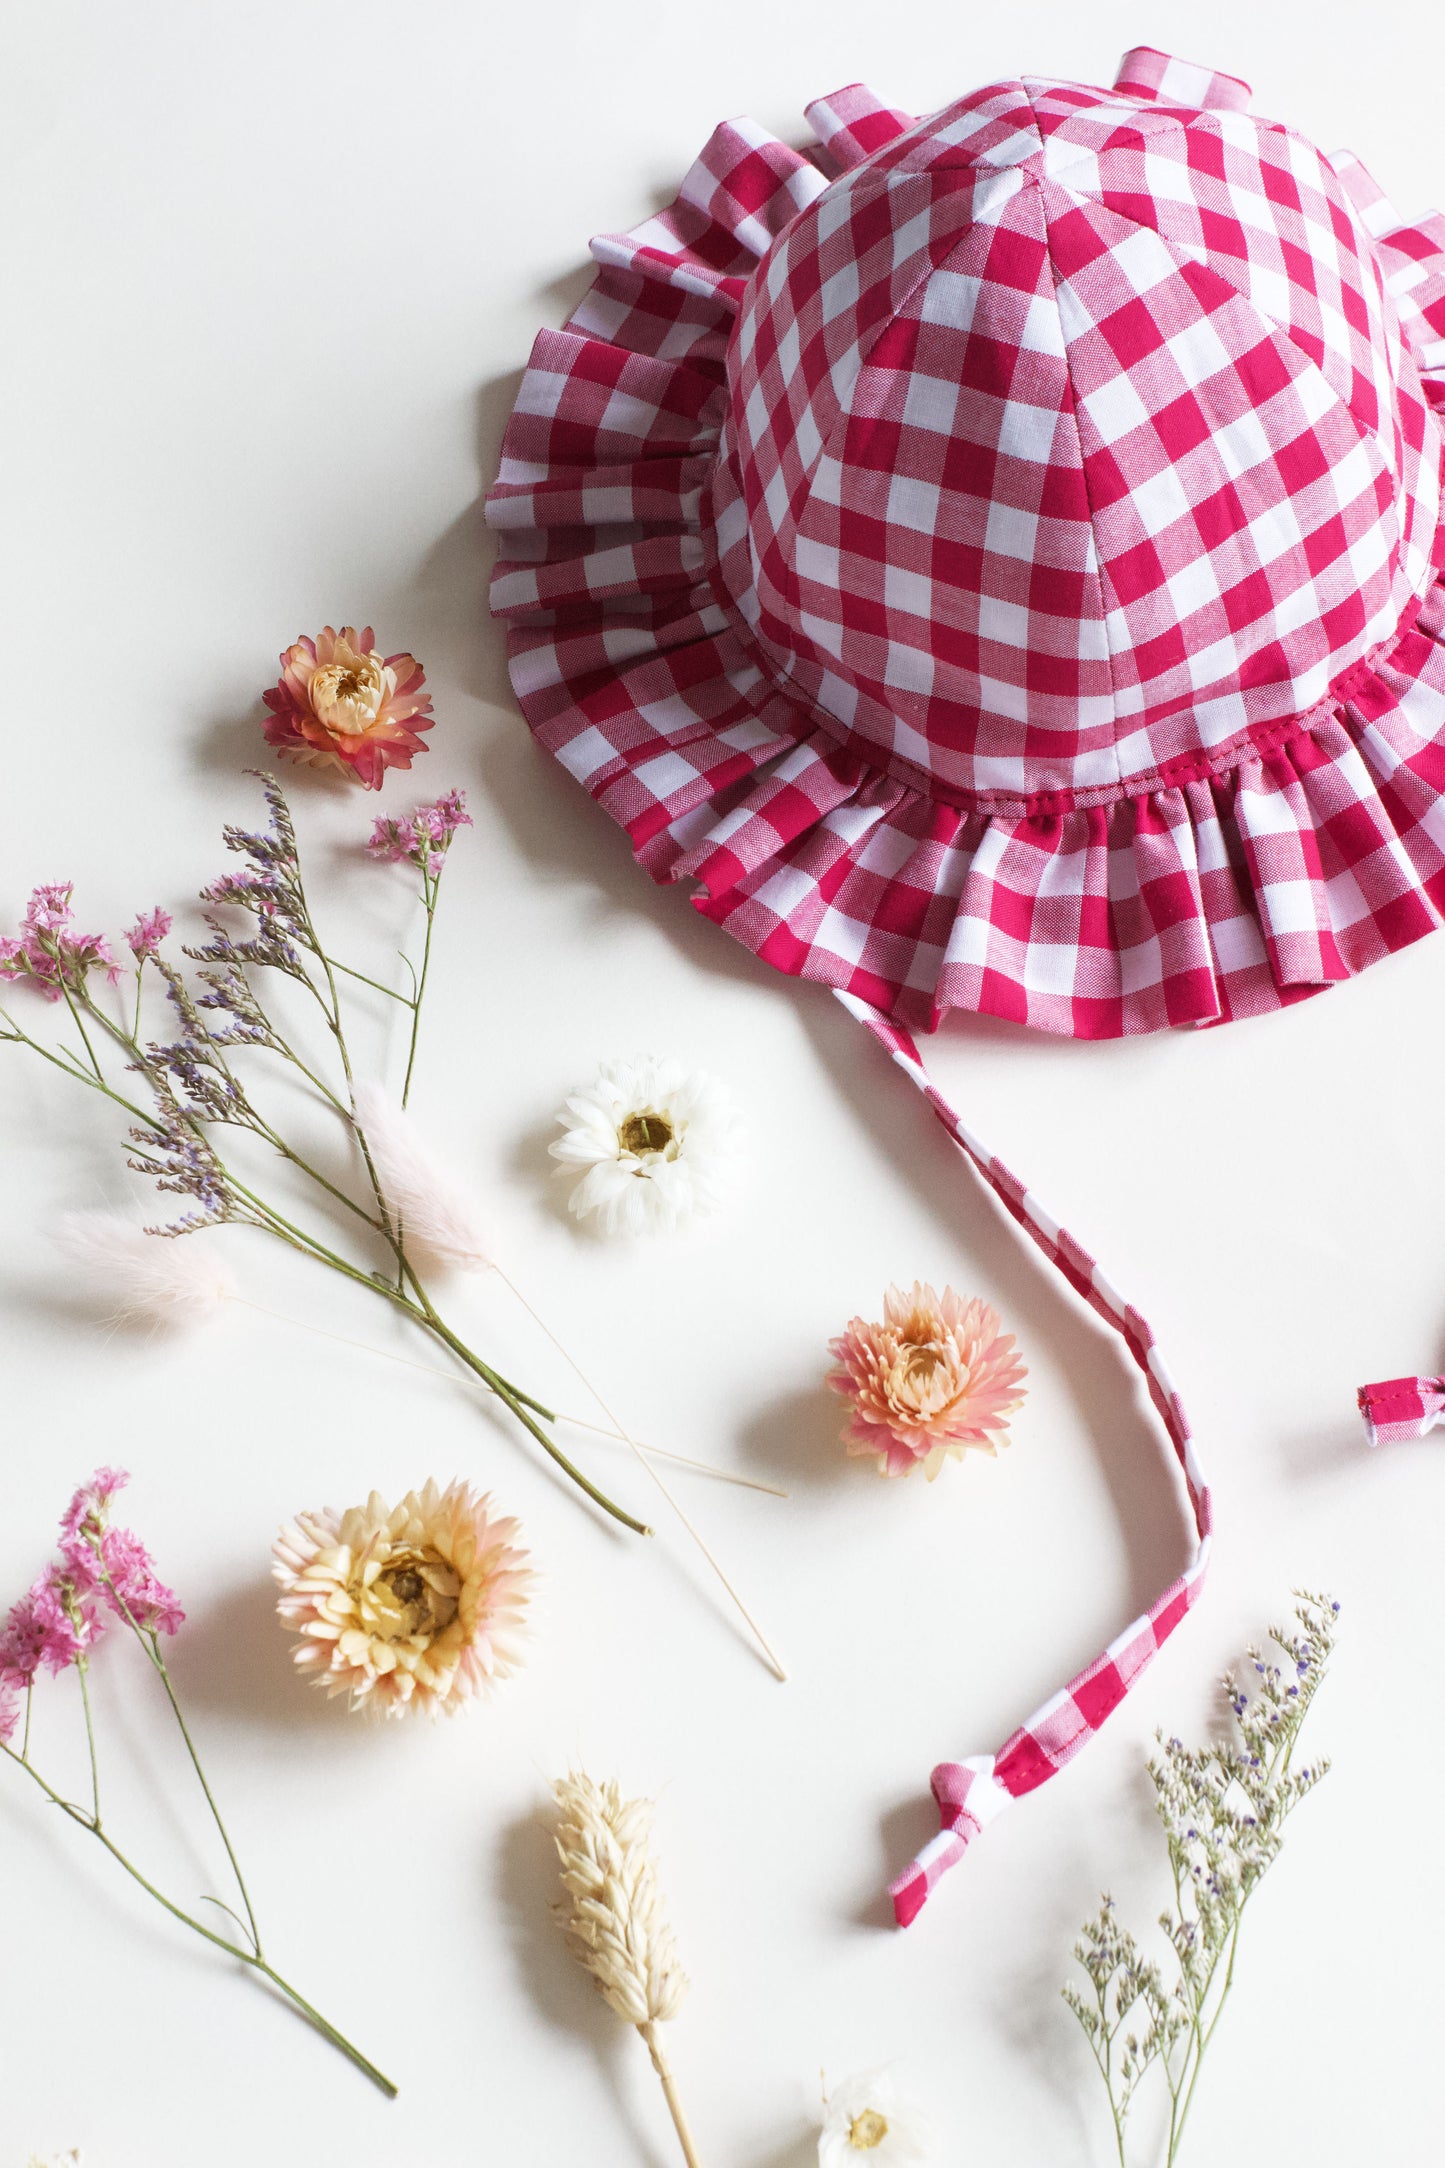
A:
(613, 1917)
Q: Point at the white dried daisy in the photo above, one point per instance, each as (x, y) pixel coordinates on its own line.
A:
(647, 1145)
(417, 1606)
(867, 2121)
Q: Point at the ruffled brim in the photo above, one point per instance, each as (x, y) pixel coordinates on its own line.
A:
(1209, 899)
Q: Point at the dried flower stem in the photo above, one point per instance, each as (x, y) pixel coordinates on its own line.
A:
(576, 1422)
(1223, 1809)
(614, 1921)
(761, 1638)
(196, 1091)
(670, 2094)
(90, 1820)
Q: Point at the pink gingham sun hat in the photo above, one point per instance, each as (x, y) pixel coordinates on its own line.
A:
(996, 561)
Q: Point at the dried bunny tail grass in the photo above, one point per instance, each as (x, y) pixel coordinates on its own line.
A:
(145, 1279)
(614, 1921)
(437, 1222)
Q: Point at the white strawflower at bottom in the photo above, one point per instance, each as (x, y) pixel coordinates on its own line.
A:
(647, 1145)
(868, 2124)
(613, 1917)
(138, 1278)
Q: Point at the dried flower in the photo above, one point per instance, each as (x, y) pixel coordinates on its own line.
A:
(613, 1917)
(437, 1221)
(48, 953)
(113, 1562)
(934, 1379)
(341, 704)
(148, 932)
(867, 2118)
(1223, 1810)
(140, 1278)
(651, 1141)
(423, 838)
(418, 1606)
(195, 1090)
(55, 1624)
(54, 1628)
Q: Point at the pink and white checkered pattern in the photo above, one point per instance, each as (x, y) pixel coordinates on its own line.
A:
(971, 1792)
(993, 559)
(1399, 1409)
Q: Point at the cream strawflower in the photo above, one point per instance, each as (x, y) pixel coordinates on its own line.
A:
(868, 2124)
(414, 1607)
(646, 1145)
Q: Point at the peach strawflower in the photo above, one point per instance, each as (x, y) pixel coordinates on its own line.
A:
(935, 1378)
(414, 1607)
(341, 704)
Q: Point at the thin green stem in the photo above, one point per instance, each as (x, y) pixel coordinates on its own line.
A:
(390, 991)
(76, 1018)
(429, 898)
(165, 1679)
(246, 1957)
(443, 1332)
(78, 1075)
(82, 1666)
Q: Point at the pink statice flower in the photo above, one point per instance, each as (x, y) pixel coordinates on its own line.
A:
(146, 935)
(935, 1378)
(49, 953)
(113, 1561)
(55, 1623)
(12, 1702)
(424, 837)
(392, 840)
(341, 704)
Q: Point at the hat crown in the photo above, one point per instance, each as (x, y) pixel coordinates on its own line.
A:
(1071, 440)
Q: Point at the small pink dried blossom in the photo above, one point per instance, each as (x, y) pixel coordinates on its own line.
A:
(424, 838)
(146, 935)
(113, 1562)
(935, 1378)
(12, 1702)
(342, 704)
(53, 1625)
(392, 840)
(49, 953)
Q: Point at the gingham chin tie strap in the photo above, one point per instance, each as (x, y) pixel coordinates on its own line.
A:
(971, 1792)
(1398, 1409)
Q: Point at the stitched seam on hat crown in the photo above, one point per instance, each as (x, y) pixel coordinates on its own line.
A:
(1206, 761)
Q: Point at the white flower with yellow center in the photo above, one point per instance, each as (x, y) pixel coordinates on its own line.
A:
(646, 1145)
(868, 2124)
(417, 1606)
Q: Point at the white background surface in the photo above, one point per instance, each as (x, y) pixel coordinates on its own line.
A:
(269, 278)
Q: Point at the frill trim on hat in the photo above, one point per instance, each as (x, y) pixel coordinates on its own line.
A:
(1210, 897)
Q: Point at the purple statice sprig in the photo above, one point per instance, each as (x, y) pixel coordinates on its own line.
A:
(104, 1576)
(1223, 1809)
(191, 1102)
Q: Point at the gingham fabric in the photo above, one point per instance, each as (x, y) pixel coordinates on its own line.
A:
(971, 1792)
(1399, 1409)
(995, 559)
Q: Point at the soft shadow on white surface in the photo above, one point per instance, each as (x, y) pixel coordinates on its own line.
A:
(564, 1996)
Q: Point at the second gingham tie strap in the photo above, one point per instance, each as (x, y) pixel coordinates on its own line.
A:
(970, 1793)
(1398, 1409)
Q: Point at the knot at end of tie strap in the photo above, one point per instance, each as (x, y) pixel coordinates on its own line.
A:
(969, 1796)
(1398, 1409)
